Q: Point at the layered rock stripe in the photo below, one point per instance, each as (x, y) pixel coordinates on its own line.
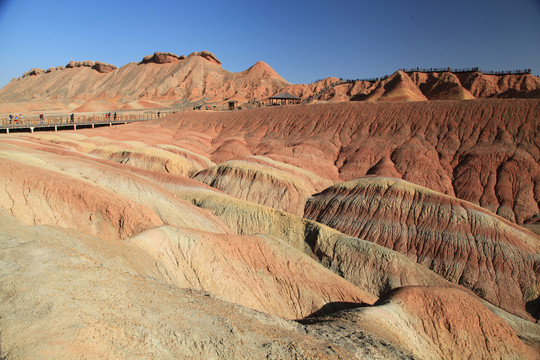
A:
(154, 277)
(459, 241)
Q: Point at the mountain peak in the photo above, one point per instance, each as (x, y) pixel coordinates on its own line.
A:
(262, 70)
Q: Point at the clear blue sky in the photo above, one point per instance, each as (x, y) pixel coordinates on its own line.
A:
(302, 40)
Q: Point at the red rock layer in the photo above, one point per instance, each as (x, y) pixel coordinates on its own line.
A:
(49, 185)
(458, 240)
(371, 267)
(264, 182)
(445, 86)
(116, 182)
(40, 196)
(435, 323)
(483, 151)
(504, 86)
(445, 321)
(398, 87)
(258, 272)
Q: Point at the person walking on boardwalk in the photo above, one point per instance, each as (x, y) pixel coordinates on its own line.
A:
(72, 117)
(41, 118)
(10, 119)
(115, 116)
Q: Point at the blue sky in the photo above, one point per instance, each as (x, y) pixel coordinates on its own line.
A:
(302, 40)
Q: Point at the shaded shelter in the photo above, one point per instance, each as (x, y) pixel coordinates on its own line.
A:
(284, 98)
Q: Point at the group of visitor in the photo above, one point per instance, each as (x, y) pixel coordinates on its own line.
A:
(15, 119)
(108, 116)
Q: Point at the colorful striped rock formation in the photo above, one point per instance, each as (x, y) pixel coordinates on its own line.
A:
(386, 230)
(459, 241)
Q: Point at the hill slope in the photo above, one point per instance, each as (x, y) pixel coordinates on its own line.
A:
(459, 241)
(421, 86)
(166, 79)
(114, 243)
(471, 150)
(163, 79)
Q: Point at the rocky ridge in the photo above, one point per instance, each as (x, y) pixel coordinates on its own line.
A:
(165, 79)
(158, 80)
(421, 86)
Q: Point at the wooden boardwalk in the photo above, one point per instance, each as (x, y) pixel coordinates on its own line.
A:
(64, 122)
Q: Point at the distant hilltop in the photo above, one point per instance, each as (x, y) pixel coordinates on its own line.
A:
(101, 67)
(468, 70)
(422, 85)
(164, 79)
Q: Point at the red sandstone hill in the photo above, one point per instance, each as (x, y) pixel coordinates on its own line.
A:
(459, 241)
(162, 78)
(433, 323)
(424, 86)
(165, 79)
(398, 87)
(441, 86)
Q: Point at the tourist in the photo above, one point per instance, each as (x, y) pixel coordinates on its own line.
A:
(115, 116)
(41, 118)
(10, 118)
(72, 117)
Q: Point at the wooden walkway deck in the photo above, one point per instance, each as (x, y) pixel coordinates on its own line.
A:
(64, 122)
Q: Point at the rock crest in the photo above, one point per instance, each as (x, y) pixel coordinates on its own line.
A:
(206, 55)
(162, 58)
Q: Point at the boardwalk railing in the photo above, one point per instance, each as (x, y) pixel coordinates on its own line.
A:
(54, 122)
(430, 70)
(465, 70)
(371, 80)
(50, 120)
(508, 72)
